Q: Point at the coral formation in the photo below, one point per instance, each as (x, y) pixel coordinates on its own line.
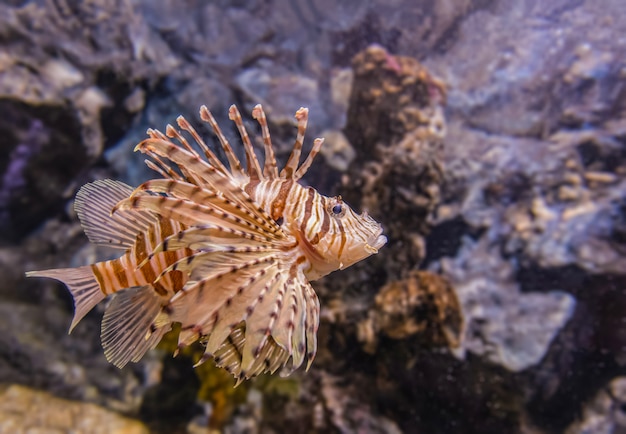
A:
(423, 303)
(395, 120)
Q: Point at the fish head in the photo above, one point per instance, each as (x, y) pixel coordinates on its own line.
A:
(345, 239)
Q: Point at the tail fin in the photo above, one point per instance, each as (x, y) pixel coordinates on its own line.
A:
(82, 284)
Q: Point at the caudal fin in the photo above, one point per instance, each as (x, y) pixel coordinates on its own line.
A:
(82, 285)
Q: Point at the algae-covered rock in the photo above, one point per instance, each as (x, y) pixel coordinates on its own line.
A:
(422, 304)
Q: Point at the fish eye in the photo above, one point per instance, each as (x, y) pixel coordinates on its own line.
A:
(337, 208)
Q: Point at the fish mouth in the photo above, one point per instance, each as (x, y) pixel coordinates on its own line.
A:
(375, 242)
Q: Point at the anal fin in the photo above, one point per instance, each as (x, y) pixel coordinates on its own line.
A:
(127, 332)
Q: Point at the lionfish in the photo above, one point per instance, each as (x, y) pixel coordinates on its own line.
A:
(228, 253)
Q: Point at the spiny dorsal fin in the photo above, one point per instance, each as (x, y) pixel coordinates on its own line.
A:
(270, 170)
(236, 170)
(208, 153)
(193, 214)
(93, 205)
(302, 116)
(252, 163)
(304, 167)
(202, 196)
(210, 178)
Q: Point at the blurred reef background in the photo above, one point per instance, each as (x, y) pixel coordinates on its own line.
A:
(488, 137)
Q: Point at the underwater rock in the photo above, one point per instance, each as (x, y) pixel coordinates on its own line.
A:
(24, 410)
(392, 97)
(347, 413)
(605, 413)
(337, 151)
(341, 81)
(535, 169)
(551, 203)
(67, 367)
(542, 66)
(37, 163)
(433, 27)
(503, 324)
(64, 74)
(280, 90)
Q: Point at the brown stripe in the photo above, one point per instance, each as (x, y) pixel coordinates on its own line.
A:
(130, 268)
(120, 273)
(333, 238)
(343, 238)
(326, 219)
(311, 233)
(178, 280)
(160, 289)
(170, 185)
(166, 228)
(315, 239)
(99, 278)
(251, 187)
(109, 275)
(293, 270)
(148, 272)
(308, 206)
(184, 253)
(140, 247)
(170, 257)
(278, 204)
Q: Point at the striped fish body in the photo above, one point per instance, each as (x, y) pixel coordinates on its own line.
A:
(129, 316)
(228, 253)
(132, 269)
